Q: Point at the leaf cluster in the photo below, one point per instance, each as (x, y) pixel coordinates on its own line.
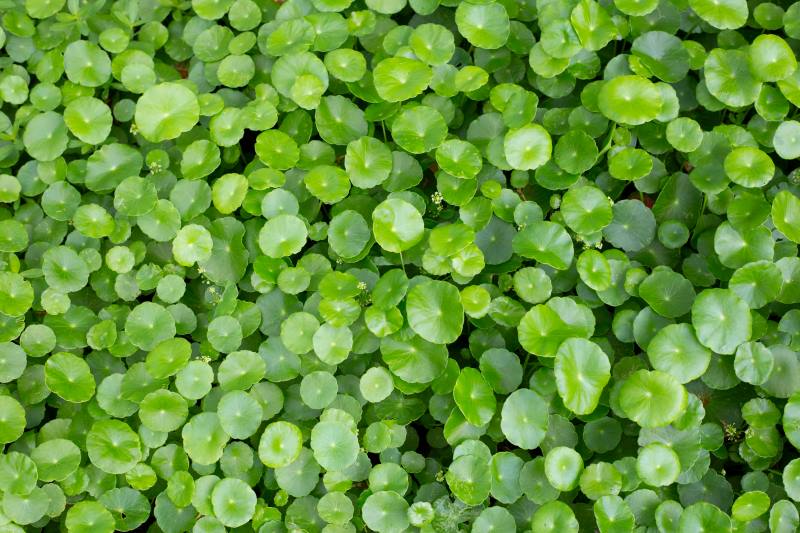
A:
(399, 265)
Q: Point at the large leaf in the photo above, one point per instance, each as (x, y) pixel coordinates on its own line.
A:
(582, 370)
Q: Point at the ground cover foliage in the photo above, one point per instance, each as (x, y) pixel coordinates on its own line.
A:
(399, 265)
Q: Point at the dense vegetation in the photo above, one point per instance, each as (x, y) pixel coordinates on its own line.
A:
(399, 265)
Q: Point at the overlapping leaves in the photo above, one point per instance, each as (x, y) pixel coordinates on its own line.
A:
(323, 265)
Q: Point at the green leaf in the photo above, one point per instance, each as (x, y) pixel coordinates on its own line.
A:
(555, 516)
(69, 377)
(658, 465)
(593, 25)
(412, 358)
(459, 158)
(163, 410)
(349, 234)
(165, 111)
(727, 72)
(721, 320)
(434, 311)
(86, 64)
(749, 167)
(544, 327)
(675, 350)
(750, 506)
(704, 515)
(474, 397)
(400, 78)
(524, 419)
(563, 467)
(385, 512)
(192, 244)
(88, 119)
(485, 24)
(786, 215)
(13, 423)
(528, 147)
(88, 516)
(233, 501)
(148, 324)
(582, 370)
(282, 236)
(652, 398)
(469, 477)
(368, 162)
(419, 129)
(335, 446)
(546, 242)
(668, 293)
(594, 270)
(630, 100)
(432, 43)
(339, 120)
(726, 15)
(613, 514)
(633, 226)
(663, 54)
(16, 294)
(397, 225)
(113, 447)
(586, 210)
(280, 444)
(45, 136)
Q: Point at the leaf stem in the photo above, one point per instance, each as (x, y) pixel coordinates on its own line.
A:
(608, 142)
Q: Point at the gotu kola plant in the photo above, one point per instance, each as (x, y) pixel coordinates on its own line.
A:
(399, 265)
